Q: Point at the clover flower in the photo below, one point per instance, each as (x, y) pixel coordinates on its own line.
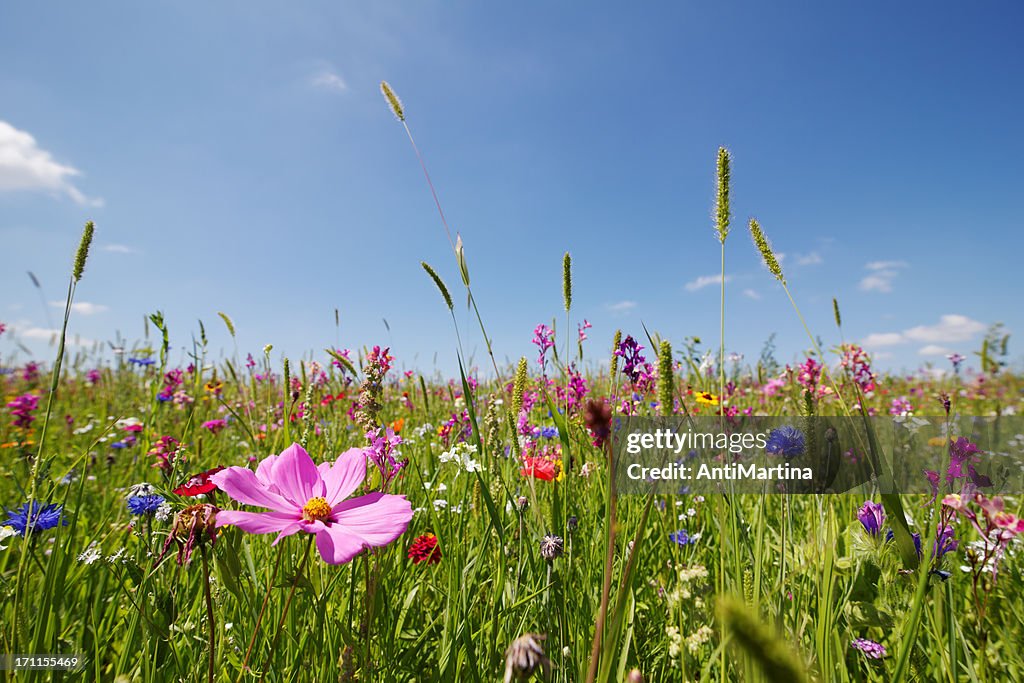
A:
(870, 648)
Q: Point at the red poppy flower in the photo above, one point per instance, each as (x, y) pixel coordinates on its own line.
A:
(198, 484)
(541, 468)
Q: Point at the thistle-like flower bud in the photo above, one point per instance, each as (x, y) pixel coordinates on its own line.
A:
(524, 656)
(551, 547)
(761, 242)
(83, 252)
(393, 101)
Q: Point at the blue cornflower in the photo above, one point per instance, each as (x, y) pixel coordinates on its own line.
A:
(549, 432)
(144, 505)
(786, 441)
(682, 538)
(889, 535)
(39, 517)
(142, 361)
(119, 445)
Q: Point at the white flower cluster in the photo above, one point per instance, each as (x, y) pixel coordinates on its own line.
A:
(462, 454)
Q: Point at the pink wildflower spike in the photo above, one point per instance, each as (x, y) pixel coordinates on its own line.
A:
(302, 496)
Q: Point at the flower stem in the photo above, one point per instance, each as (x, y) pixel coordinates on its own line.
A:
(209, 611)
(287, 604)
(259, 617)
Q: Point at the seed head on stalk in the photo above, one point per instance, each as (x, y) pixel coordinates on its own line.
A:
(723, 215)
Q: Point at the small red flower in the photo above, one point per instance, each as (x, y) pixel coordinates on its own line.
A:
(424, 549)
(540, 467)
(199, 484)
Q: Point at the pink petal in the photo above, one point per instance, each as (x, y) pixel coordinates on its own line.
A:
(294, 527)
(242, 485)
(344, 476)
(256, 522)
(336, 546)
(296, 475)
(264, 469)
(376, 518)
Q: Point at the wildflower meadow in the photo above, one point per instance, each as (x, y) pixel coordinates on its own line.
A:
(175, 514)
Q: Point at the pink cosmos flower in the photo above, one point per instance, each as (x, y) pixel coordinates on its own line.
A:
(303, 496)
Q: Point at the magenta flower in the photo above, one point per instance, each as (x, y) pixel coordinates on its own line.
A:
(303, 496)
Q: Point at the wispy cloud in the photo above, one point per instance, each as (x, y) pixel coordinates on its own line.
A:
(705, 281)
(934, 350)
(46, 334)
(952, 328)
(811, 259)
(752, 294)
(886, 265)
(118, 249)
(82, 307)
(877, 339)
(25, 166)
(621, 306)
(881, 275)
(328, 79)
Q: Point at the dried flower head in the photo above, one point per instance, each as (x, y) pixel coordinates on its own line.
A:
(524, 656)
(192, 527)
(551, 547)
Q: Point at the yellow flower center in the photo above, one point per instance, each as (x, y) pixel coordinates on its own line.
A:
(316, 509)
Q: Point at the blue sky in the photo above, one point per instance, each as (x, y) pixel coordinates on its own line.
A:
(238, 157)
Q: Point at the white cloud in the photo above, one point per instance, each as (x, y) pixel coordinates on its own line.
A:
(879, 282)
(886, 265)
(882, 355)
(82, 307)
(883, 339)
(118, 248)
(48, 334)
(24, 166)
(705, 281)
(951, 328)
(752, 294)
(327, 79)
(811, 259)
(881, 276)
(622, 306)
(934, 350)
